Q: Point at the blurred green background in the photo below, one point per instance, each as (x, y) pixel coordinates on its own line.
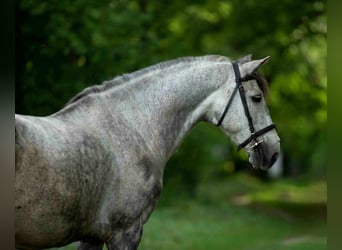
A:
(211, 199)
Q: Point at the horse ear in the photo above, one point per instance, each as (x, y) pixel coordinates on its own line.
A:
(244, 59)
(250, 67)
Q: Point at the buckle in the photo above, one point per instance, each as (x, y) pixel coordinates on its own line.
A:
(255, 144)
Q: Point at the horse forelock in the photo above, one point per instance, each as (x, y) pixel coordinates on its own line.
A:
(121, 79)
(262, 83)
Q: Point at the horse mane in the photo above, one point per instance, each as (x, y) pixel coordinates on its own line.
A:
(127, 77)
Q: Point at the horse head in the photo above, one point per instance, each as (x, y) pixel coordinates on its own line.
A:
(240, 110)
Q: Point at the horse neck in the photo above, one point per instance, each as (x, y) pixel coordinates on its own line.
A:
(164, 105)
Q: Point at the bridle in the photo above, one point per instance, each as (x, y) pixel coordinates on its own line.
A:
(254, 134)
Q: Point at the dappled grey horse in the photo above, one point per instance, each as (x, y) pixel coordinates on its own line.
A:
(93, 171)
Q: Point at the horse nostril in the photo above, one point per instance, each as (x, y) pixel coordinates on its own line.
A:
(274, 158)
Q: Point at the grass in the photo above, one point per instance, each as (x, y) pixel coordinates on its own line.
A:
(241, 213)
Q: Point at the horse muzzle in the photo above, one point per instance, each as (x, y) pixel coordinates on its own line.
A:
(262, 155)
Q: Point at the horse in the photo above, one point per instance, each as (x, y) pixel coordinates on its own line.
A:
(93, 171)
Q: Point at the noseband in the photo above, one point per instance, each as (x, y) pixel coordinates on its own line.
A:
(254, 134)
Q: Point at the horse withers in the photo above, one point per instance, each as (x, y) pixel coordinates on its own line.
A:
(93, 171)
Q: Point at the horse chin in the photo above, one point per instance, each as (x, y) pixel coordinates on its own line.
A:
(256, 158)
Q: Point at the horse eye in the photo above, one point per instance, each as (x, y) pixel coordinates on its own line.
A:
(256, 98)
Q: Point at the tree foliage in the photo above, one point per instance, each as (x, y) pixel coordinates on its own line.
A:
(65, 46)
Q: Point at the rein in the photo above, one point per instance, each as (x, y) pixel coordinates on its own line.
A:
(254, 134)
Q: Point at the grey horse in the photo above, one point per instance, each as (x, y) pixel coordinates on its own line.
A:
(93, 171)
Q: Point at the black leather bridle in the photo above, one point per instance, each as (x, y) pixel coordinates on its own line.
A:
(239, 86)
